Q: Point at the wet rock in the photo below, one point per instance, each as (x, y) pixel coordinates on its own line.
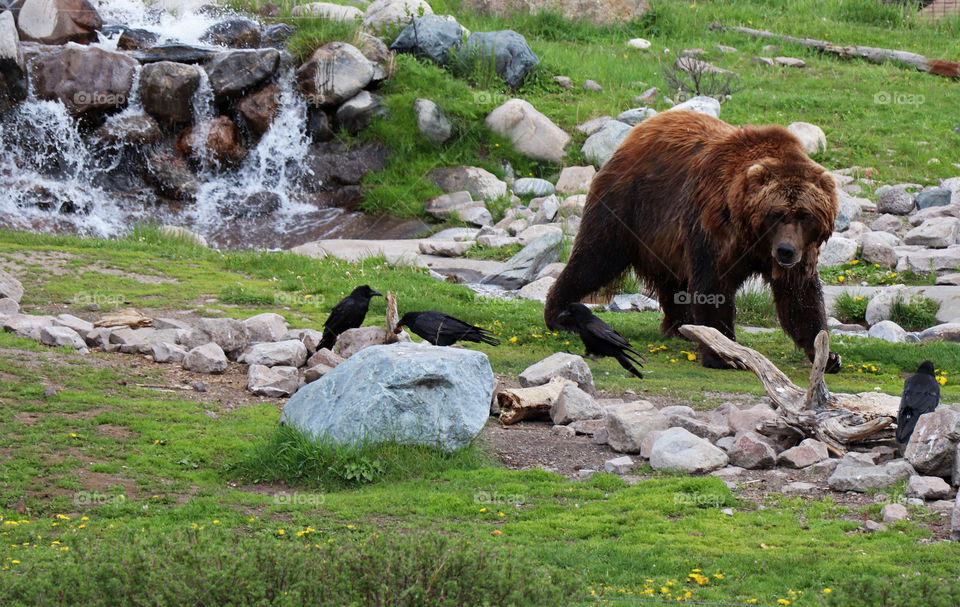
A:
(171, 176)
(276, 35)
(167, 89)
(130, 130)
(678, 449)
(259, 108)
(409, 393)
(86, 80)
(59, 336)
(58, 21)
(233, 72)
(208, 358)
(217, 139)
(133, 39)
(432, 37)
(358, 112)
(561, 364)
(512, 56)
(174, 52)
(274, 382)
(532, 134)
(431, 121)
(13, 70)
(233, 33)
(334, 73)
(258, 204)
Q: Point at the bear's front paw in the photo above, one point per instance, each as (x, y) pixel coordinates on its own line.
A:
(834, 363)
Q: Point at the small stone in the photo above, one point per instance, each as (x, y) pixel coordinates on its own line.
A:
(892, 513)
(49, 392)
(620, 465)
(874, 526)
(563, 431)
(928, 488)
(208, 358)
(585, 473)
(797, 487)
(592, 85)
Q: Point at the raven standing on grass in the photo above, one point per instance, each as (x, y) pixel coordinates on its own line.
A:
(599, 337)
(921, 394)
(347, 314)
(443, 330)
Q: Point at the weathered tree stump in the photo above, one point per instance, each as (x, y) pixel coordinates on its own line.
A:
(839, 420)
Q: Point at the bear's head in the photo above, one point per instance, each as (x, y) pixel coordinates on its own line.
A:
(788, 207)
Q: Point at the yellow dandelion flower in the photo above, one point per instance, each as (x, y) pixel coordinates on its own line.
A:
(854, 262)
(691, 356)
(216, 521)
(513, 339)
(752, 601)
(840, 278)
(501, 514)
(73, 435)
(279, 531)
(483, 510)
(719, 576)
(783, 602)
(827, 591)
(15, 562)
(65, 548)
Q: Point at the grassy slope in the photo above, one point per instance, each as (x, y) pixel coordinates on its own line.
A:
(177, 460)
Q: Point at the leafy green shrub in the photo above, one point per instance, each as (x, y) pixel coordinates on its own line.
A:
(897, 592)
(240, 295)
(915, 315)
(294, 457)
(848, 308)
(214, 566)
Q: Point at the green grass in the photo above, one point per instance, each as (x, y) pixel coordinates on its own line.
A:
(160, 497)
(857, 272)
(849, 308)
(916, 314)
(756, 309)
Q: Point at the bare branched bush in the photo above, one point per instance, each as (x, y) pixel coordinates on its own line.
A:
(690, 77)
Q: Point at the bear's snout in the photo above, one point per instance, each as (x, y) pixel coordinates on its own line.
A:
(786, 254)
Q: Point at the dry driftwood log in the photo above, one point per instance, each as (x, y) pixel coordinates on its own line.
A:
(127, 317)
(839, 420)
(530, 403)
(872, 54)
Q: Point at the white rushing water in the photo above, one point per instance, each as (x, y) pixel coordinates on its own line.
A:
(56, 176)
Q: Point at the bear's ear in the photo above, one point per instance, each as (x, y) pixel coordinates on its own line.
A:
(759, 171)
(827, 182)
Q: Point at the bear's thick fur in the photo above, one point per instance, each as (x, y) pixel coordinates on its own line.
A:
(696, 206)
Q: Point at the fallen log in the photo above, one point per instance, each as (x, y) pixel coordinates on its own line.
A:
(127, 317)
(839, 420)
(940, 67)
(517, 404)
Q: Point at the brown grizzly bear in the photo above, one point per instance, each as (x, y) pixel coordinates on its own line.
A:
(696, 206)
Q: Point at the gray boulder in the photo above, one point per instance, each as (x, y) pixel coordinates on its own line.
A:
(837, 250)
(928, 488)
(268, 326)
(934, 197)
(58, 336)
(678, 449)
(482, 184)
(560, 364)
(27, 325)
(230, 334)
(701, 105)
(163, 352)
(629, 424)
(208, 358)
(430, 36)
(862, 477)
(290, 353)
(619, 465)
(237, 32)
(575, 179)
(875, 248)
(807, 453)
(532, 186)
(751, 451)
(358, 112)
(574, 405)
(382, 15)
(352, 341)
(600, 146)
(511, 54)
(880, 305)
(409, 393)
(948, 331)
(10, 287)
(8, 308)
(523, 267)
(275, 382)
(432, 122)
(532, 134)
(887, 330)
(933, 444)
(636, 115)
(895, 201)
(934, 233)
(811, 136)
(77, 324)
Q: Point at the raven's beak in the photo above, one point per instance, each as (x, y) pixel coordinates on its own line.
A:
(376, 293)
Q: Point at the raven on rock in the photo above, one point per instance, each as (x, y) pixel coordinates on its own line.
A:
(921, 394)
(600, 338)
(347, 314)
(443, 330)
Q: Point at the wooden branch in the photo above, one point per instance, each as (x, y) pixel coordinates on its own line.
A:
(940, 67)
(839, 420)
(517, 404)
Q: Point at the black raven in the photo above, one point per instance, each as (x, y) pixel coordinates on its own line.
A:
(599, 337)
(443, 330)
(347, 314)
(921, 394)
